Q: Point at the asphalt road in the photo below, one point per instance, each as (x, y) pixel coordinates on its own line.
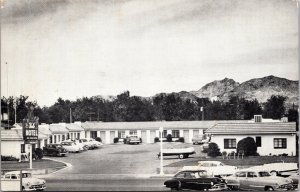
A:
(151, 184)
(112, 168)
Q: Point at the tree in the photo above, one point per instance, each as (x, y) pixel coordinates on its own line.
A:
(274, 107)
(213, 150)
(247, 146)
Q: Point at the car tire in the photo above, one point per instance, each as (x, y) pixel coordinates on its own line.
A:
(273, 172)
(180, 156)
(269, 189)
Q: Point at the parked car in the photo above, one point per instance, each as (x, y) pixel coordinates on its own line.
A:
(94, 142)
(214, 168)
(54, 149)
(295, 178)
(83, 146)
(278, 168)
(11, 182)
(199, 139)
(90, 144)
(258, 180)
(70, 146)
(196, 180)
(132, 139)
(180, 152)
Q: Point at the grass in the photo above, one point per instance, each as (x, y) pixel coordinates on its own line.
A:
(247, 161)
(37, 164)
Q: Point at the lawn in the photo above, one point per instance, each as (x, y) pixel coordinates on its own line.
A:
(37, 164)
(246, 162)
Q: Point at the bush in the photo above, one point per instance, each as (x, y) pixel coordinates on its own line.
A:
(116, 139)
(169, 138)
(38, 153)
(98, 139)
(247, 146)
(8, 158)
(156, 139)
(181, 139)
(141, 140)
(213, 150)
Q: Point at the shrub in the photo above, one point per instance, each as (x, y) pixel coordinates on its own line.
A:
(181, 139)
(38, 153)
(224, 154)
(247, 146)
(141, 140)
(156, 139)
(169, 138)
(213, 150)
(116, 139)
(8, 158)
(98, 139)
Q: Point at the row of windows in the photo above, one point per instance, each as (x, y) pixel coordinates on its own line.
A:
(279, 143)
(121, 134)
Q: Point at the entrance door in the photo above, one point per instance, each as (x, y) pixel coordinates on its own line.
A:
(152, 136)
(103, 136)
(186, 136)
(144, 137)
(112, 136)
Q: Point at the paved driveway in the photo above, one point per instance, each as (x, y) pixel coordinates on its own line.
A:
(119, 159)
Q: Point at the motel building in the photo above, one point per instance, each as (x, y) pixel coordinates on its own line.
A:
(147, 131)
(272, 137)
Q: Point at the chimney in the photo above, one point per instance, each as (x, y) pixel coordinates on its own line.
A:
(257, 118)
(284, 120)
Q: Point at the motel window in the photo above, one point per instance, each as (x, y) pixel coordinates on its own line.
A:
(280, 143)
(22, 148)
(68, 136)
(121, 134)
(63, 137)
(133, 132)
(229, 143)
(54, 138)
(78, 135)
(93, 134)
(164, 134)
(175, 133)
(258, 141)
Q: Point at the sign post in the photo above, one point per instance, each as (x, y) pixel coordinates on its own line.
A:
(161, 129)
(30, 131)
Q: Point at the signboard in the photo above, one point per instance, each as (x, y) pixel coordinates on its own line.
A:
(30, 128)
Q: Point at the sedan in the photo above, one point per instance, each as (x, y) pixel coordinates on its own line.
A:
(196, 180)
(258, 180)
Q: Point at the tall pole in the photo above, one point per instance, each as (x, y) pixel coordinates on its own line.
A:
(70, 115)
(161, 152)
(15, 107)
(202, 112)
(30, 160)
(7, 94)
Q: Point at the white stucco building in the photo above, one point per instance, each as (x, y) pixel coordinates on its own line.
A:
(272, 138)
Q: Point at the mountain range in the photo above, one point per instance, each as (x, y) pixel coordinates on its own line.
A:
(258, 88)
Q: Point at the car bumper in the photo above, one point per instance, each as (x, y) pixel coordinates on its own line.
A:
(36, 189)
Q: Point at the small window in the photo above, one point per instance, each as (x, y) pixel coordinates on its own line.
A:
(22, 148)
(175, 133)
(280, 143)
(258, 141)
(165, 133)
(7, 176)
(132, 132)
(241, 174)
(229, 143)
(13, 176)
(180, 175)
(251, 174)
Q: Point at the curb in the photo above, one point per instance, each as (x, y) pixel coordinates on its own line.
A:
(59, 168)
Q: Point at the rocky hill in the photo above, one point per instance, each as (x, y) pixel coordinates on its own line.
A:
(259, 88)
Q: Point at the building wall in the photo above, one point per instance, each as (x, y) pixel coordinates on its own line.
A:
(267, 143)
(11, 148)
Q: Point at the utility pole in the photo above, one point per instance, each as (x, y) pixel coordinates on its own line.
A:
(15, 107)
(70, 115)
(7, 95)
(97, 114)
(202, 112)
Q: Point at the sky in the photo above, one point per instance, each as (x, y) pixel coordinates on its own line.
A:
(76, 48)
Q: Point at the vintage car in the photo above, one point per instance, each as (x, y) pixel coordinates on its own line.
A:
(295, 178)
(195, 180)
(70, 146)
(132, 139)
(10, 181)
(180, 152)
(94, 142)
(199, 139)
(82, 146)
(54, 149)
(87, 143)
(250, 179)
(214, 168)
(278, 168)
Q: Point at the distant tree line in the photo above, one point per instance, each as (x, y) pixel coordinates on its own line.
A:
(169, 107)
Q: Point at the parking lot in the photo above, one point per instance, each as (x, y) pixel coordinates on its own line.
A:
(120, 159)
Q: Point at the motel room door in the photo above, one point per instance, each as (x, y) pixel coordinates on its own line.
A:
(103, 136)
(144, 137)
(152, 136)
(186, 136)
(112, 136)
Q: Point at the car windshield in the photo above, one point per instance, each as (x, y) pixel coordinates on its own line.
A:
(264, 174)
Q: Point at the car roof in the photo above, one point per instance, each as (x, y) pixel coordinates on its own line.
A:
(16, 172)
